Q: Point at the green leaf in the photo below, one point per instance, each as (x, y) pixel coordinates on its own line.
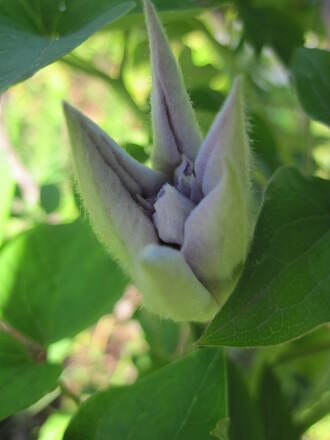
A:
(245, 422)
(204, 98)
(22, 380)
(266, 26)
(284, 291)
(263, 143)
(183, 400)
(273, 408)
(34, 33)
(162, 336)
(56, 281)
(7, 190)
(311, 71)
(50, 197)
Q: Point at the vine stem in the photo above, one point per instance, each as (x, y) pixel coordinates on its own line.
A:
(36, 351)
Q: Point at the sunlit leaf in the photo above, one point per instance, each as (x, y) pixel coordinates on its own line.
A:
(56, 281)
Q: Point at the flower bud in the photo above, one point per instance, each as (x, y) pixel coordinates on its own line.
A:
(182, 229)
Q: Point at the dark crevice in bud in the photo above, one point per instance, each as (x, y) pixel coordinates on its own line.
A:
(112, 162)
(185, 180)
(146, 205)
(128, 182)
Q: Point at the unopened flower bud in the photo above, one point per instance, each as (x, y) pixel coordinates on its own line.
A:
(182, 229)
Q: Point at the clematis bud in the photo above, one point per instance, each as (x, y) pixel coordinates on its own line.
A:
(182, 229)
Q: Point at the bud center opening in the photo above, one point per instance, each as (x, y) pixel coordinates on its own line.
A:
(175, 202)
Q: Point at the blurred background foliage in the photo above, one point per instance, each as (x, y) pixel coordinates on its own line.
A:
(108, 78)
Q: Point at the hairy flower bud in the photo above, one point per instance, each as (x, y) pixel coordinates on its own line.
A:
(182, 229)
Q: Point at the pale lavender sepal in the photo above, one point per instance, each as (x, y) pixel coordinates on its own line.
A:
(136, 177)
(226, 139)
(171, 212)
(216, 235)
(117, 219)
(170, 288)
(176, 131)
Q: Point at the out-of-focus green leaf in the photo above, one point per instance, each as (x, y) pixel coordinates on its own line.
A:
(245, 422)
(22, 380)
(162, 336)
(56, 281)
(50, 197)
(303, 368)
(7, 191)
(137, 152)
(169, 10)
(194, 76)
(206, 99)
(266, 26)
(174, 5)
(183, 400)
(284, 291)
(311, 70)
(263, 143)
(34, 33)
(273, 409)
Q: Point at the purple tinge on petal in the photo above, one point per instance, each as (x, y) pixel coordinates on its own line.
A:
(176, 131)
(227, 138)
(117, 219)
(185, 181)
(171, 212)
(165, 155)
(216, 234)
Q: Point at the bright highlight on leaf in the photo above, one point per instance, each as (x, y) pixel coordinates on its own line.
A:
(182, 230)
